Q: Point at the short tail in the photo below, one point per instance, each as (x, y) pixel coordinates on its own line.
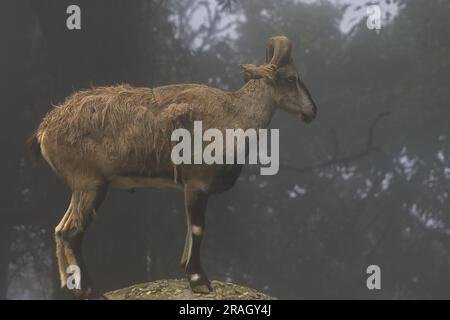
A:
(34, 146)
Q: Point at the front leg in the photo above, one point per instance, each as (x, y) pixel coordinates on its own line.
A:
(195, 203)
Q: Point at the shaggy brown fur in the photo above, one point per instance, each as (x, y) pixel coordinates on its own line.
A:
(120, 136)
(111, 124)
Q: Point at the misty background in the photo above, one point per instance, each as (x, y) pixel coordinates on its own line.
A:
(366, 183)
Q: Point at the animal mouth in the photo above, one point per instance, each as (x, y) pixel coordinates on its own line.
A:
(306, 117)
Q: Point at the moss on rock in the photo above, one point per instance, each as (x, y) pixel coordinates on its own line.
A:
(175, 289)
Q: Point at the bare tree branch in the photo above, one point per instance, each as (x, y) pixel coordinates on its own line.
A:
(370, 147)
(207, 32)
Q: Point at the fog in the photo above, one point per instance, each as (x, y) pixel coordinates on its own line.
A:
(367, 183)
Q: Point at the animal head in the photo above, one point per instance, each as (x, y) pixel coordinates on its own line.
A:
(279, 71)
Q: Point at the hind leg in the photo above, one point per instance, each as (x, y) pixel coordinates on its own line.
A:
(69, 235)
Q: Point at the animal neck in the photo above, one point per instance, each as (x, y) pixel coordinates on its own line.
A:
(255, 103)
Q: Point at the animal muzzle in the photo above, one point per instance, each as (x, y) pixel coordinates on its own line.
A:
(309, 113)
(308, 109)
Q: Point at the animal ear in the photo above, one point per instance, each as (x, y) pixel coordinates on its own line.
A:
(251, 71)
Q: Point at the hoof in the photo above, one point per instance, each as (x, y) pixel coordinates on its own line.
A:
(199, 283)
(88, 295)
(201, 288)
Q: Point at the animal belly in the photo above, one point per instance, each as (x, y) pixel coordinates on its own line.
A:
(123, 182)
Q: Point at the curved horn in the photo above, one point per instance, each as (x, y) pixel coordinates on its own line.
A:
(278, 51)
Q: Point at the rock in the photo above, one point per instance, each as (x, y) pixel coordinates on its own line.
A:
(175, 289)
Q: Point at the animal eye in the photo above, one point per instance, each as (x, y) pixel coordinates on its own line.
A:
(292, 78)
